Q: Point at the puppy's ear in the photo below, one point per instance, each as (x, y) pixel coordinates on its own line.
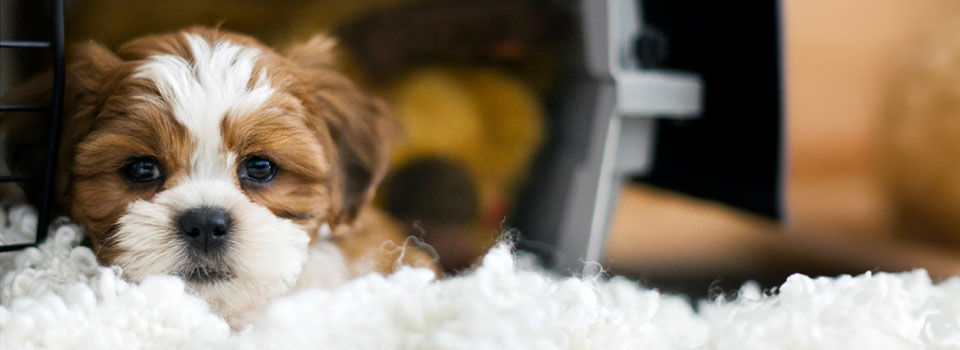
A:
(89, 66)
(360, 126)
(363, 140)
(87, 88)
(317, 52)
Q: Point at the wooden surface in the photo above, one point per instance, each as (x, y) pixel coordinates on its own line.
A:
(659, 233)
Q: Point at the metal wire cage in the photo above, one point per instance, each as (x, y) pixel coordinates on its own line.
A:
(54, 107)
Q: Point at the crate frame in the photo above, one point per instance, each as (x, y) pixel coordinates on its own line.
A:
(55, 111)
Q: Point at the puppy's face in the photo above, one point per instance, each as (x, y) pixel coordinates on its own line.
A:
(206, 155)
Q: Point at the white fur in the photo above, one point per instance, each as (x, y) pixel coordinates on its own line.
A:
(56, 297)
(18, 224)
(325, 267)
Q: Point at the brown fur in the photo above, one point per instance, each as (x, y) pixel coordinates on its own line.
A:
(377, 239)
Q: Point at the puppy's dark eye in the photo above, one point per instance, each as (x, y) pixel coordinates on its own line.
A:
(142, 170)
(257, 169)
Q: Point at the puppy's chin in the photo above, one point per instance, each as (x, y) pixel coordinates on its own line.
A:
(204, 274)
(261, 260)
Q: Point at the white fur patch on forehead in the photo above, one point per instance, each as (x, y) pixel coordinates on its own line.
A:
(217, 81)
(201, 93)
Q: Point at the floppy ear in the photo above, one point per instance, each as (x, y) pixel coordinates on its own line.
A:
(317, 52)
(360, 126)
(363, 148)
(87, 88)
(90, 64)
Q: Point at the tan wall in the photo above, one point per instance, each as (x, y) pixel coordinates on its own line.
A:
(841, 58)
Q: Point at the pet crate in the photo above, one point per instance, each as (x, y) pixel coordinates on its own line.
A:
(680, 94)
(610, 124)
(54, 109)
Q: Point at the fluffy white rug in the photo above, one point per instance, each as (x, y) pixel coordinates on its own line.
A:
(57, 297)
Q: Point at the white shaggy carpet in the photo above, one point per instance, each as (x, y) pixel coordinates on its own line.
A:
(56, 297)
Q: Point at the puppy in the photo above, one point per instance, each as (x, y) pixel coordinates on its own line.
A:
(207, 155)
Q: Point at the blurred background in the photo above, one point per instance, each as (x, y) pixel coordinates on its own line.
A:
(823, 136)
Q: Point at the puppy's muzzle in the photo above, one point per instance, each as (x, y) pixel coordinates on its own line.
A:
(206, 229)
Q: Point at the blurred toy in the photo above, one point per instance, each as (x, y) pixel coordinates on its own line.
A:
(464, 78)
(470, 136)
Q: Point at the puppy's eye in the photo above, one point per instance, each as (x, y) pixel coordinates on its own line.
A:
(257, 169)
(141, 170)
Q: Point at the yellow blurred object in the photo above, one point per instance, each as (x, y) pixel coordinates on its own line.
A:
(476, 118)
(439, 115)
(487, 119)
(512, 125)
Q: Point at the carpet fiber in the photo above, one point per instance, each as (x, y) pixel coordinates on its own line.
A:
(57, 297)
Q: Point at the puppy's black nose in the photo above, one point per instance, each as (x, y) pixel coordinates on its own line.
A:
(205, 228)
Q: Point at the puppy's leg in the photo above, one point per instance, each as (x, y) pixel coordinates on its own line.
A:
(374, 242)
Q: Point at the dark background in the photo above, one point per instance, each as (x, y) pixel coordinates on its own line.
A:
(732, 153)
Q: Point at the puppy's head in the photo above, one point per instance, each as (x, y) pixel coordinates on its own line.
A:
(207, 155)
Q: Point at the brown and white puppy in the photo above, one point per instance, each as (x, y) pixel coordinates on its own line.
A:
(207, 155)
